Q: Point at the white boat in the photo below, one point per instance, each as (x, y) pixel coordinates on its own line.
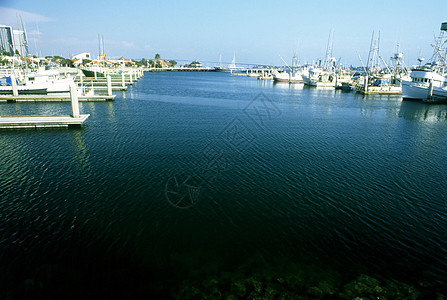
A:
(50, 79)
(318, 77)
(6, 87)
(429, 82)
(289, 77)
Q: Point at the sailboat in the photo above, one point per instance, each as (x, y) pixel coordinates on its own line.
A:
(219, 68)
(233, 66)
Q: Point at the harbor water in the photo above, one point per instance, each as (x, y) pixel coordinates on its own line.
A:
(208, 185)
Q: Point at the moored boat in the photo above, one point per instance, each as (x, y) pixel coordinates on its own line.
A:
(6, 87)
(429, 82)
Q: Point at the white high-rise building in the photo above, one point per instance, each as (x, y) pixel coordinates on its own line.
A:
(6, 39)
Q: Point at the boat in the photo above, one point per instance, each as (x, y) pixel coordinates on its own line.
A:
(380, 86)
(95, 72)
(48, 77)
(7, 89)
(293, 75)
(92, 73)
(429, 81)
(319, 77)
(289, 77)
(219, 68)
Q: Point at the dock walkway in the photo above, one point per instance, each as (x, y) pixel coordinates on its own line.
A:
(55, 98)
(15, 122)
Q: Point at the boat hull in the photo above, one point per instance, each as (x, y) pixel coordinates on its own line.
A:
(24, 91)
(414, 91)
(89, 73)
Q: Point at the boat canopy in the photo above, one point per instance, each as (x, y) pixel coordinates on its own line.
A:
(381, 82)
(5, 81)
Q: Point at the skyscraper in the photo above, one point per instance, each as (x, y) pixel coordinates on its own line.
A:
(6, 39)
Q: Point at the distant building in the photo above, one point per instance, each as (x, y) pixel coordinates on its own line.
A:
(195, 64)
(84, 55)
(6, 39)
(164, 64)
(76, 62)
(20, 43)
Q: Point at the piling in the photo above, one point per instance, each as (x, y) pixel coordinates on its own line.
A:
(74, 101)
(15, 91)
(430, 90)
(366, 84)
(122, 80)
(130, 76)
(109, 85)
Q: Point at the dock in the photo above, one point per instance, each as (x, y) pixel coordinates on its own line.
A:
(34, 122)
(54, 98)
(17, 122)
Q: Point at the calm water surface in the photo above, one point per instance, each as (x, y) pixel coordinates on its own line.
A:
(189, 175)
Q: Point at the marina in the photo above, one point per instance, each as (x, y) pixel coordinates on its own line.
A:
(136, 174)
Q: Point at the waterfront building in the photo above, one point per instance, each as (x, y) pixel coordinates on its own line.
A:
(81, 56)
(6, 39)
(195, 64)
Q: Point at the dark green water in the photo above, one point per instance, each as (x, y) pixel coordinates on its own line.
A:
(196, 185)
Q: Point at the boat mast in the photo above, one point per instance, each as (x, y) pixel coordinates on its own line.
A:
(330, 42)
(99, 46)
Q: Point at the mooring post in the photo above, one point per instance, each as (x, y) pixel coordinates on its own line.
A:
(430, 91)
(130, 75)
(15, 91)
(82, 84)
(365, 88)
(122, 80)
(109, 85)
(74, 101)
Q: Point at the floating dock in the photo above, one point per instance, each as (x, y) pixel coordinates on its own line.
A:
(54, 98)
(17, 122)
(75, 119)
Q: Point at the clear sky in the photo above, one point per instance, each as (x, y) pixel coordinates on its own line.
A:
(256, 31)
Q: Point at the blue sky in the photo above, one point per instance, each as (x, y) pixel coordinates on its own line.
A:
(256, 31)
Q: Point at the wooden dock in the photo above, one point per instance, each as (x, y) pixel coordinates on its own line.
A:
(19, 122)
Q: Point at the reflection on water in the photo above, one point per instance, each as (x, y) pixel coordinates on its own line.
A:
(419, 111)
(80, 153)
(111, 111)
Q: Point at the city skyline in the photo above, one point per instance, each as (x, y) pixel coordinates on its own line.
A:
(255, 32)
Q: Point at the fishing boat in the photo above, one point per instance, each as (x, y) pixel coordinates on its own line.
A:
(289, 77)
(318, 77)
(381, 86)
(292, 75)
(429, 82)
